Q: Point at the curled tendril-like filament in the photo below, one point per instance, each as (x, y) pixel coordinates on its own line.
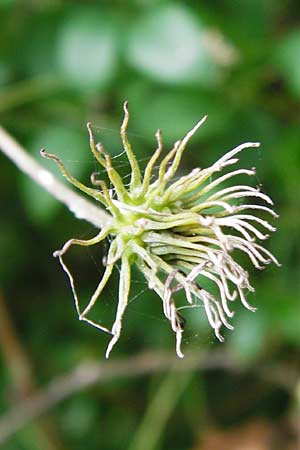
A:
(175, 231)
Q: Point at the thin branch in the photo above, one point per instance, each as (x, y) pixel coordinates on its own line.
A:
(29, 90)
(89, 374)
(79, 206)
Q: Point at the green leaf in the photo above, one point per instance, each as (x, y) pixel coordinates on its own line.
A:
(86, 50)
(287, 58)
(174, 112)
(169, 45)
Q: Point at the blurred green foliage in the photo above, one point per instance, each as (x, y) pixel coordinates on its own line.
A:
(63, 63)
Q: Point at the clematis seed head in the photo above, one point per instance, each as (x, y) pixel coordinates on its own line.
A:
(178, 231)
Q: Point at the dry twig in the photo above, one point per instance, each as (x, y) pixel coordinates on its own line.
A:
(79, 206)
(90, 373)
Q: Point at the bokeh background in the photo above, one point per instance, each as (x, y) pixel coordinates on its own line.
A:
(63, 63)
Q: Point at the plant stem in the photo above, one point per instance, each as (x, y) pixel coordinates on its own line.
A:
(79, 206)
(28, 90)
